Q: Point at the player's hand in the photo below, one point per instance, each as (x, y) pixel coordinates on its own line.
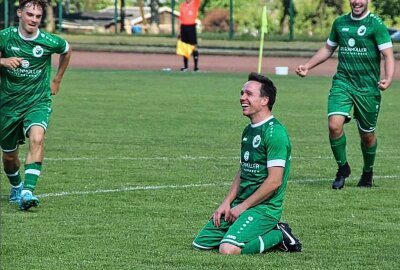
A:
(235, 213)
(384, 84)
(55, 87)
(222, 211)
(11, 62)
(302, 70)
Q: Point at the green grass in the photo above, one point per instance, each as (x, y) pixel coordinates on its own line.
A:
(135, 162)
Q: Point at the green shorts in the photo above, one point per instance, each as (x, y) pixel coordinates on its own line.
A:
(251, 224)
(366, 107)
(15, 126)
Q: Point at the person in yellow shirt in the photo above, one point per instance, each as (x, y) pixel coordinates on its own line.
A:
(188, 14)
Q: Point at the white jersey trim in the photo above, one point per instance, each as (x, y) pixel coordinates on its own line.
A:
(262, 122)
(276, 163)
(331, 43)
(359, 19)
(28, 38)
(385, 46)
(66, 47)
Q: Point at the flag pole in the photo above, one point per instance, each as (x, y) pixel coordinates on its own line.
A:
(264, 29)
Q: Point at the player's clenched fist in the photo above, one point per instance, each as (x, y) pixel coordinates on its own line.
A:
(12, 62)
(302, 70)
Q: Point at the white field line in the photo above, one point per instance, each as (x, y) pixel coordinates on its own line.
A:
(182, 158)
(139, 188)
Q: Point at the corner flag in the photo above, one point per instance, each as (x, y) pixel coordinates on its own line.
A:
(263, 30)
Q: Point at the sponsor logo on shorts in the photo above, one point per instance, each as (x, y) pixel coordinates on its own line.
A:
(231, 237)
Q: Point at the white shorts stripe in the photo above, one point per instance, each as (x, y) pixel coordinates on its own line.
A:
(262, 246)
(232, 242)
(200, 246)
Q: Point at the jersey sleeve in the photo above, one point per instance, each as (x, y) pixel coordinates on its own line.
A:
(382, 37)
(333, 39)
(61, 45)
(4, 36)
(277, 147)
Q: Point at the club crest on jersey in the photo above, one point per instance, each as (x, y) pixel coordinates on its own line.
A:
(246, 156)
(25, 63)
(351, 42)
(256, 141)
(361, 30)
(38, 51)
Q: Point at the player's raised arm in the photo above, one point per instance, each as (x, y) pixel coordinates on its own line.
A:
(319, 57)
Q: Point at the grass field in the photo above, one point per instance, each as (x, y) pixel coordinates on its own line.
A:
(136, 162)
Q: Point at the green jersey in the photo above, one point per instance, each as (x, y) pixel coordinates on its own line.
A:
(264, 145)
(360, 42)
(23, 87)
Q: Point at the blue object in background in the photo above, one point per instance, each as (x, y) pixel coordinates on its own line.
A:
(394, 34)
(136, 29)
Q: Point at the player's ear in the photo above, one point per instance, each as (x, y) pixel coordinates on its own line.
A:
(265, 101)
(19, 13)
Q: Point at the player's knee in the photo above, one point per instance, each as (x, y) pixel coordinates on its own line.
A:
(10, 162)
(228, 249)
(368, 139)
(335, 129)
(36, 138)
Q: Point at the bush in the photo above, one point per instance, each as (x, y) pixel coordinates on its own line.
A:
(216, 20)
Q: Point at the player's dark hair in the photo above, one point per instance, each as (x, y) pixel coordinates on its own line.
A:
(268, 88)
(40, 3)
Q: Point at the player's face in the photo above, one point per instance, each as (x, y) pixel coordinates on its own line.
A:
(253, 105)
(359, 7)
(29, 19)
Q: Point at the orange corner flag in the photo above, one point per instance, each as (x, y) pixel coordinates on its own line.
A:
(184, 49)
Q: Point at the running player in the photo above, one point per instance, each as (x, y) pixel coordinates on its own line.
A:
(25, 96)
(361, 37)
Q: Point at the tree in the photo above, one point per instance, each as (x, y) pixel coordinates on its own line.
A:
(50, 21)
(123, 15)
(388, 8)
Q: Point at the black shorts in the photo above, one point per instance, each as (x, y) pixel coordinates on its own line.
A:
(188, 34)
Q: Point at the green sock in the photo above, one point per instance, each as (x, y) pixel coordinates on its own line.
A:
(338, 147)
(369, 154)
(263, 242)
(32, 173)
(14, 178)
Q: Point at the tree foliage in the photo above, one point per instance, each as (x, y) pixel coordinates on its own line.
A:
(389, 10)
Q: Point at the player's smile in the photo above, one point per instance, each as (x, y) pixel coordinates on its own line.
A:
(358, 8)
